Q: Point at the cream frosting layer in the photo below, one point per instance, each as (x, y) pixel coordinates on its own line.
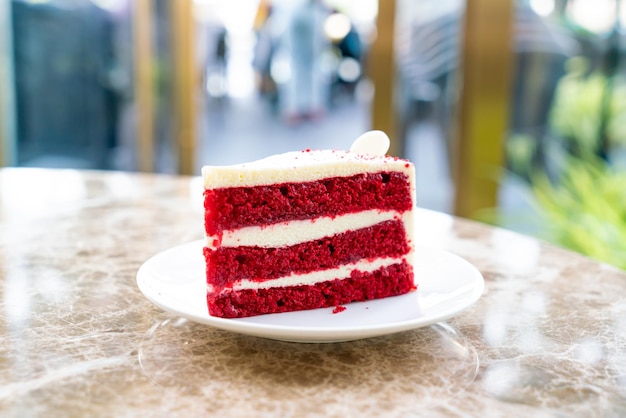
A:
(340, 273)
(296, 232)
(303, 166)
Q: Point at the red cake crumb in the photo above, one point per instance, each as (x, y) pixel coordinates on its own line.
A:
(339, 309)
(388, 281)
(248, 206)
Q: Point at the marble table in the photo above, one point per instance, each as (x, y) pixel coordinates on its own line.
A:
(78, 338)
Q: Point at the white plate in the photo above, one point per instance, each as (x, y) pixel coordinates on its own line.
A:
(174, 280)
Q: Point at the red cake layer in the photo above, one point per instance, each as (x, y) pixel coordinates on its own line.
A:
(393, 280)
(237, 207)
(230, 264)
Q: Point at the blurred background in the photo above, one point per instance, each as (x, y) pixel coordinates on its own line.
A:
(514, 111)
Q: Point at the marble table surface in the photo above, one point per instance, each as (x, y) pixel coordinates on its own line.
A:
(546, 339)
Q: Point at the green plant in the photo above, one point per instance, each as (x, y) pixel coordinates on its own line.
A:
(586, 209)
(576, 113)
(582, 205)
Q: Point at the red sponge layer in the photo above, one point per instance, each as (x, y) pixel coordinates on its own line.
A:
(229, 264)
(247, 206)
(393, 280)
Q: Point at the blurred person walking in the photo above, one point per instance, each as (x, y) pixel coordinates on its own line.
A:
(305, 94)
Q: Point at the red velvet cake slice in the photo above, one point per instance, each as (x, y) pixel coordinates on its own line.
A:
(309, 229)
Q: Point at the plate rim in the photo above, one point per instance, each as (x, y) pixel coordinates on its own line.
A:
(311, 334)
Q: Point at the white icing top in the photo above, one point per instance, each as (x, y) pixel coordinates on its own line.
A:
(309, 165)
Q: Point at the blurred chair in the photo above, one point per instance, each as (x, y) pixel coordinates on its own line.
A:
(481, 118)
